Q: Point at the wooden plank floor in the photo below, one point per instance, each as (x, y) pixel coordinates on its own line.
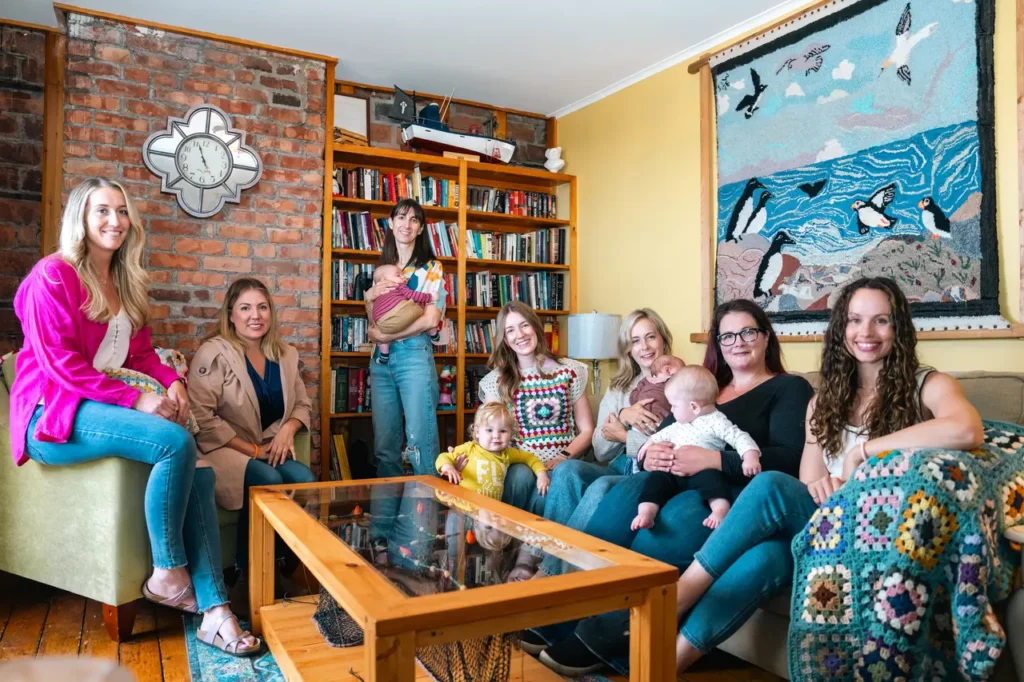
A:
(38, 620)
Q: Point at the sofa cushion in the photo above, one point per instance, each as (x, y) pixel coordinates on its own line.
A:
(998, 396)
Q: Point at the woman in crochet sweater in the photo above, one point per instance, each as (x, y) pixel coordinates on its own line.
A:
(546, 395)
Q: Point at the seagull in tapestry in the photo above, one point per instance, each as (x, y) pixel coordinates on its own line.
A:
(905, 42)
(750, 102)
(810, 60)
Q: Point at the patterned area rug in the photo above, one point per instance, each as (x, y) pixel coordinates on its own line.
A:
(206, 664)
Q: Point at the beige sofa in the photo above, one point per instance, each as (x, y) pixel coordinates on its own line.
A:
(762, 639)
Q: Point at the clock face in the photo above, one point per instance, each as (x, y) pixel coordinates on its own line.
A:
(204, 160)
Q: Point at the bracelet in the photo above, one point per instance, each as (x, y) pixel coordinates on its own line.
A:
(255, 451)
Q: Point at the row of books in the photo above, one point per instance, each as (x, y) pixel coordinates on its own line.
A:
(512, 202)
(480, 336)
(473, 377)
(539, 290)
(348, 334)
(350, 389)
(349, 282)
(358, 230)
(542, 246)
(444, 237)
(376, 185)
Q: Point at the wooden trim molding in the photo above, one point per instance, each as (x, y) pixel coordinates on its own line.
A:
(708, 190)
(30, 26)
(325, 286)
(53, 140)
(1020, 142)
(60, 7)
(343, 85)
(697, 64)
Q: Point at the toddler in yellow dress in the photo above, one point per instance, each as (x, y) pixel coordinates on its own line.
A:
(480, 465)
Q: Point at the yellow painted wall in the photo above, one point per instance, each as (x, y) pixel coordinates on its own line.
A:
(637, 157)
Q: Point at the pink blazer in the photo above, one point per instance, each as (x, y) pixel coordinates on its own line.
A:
(55, 363)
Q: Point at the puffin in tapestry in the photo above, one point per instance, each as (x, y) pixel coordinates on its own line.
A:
(743, 210)
(872, 212)
(750, 103)
(933, 219)
(771, 265)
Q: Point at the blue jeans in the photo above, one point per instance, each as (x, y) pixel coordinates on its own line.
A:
(181, 513)
(405, 394)
(102, 430)
(521, 490)
(202, 542)
(751, 559)
(260, 473)
(577, 489)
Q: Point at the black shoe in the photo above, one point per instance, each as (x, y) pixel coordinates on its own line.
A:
(571, 658)
(531, 642)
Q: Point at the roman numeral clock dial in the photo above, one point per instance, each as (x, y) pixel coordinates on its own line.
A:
(202, 160)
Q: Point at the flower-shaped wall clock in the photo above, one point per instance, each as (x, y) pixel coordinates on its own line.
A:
(203, 160)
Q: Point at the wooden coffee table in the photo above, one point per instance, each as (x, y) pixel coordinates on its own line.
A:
(441, 581)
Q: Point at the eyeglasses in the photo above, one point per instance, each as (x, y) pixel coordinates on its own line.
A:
(748, 335)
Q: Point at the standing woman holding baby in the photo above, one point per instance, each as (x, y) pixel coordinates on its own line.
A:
(404, 384)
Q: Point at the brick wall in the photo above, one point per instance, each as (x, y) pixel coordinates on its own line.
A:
(21, 149)
(122, 82)
(529, 133)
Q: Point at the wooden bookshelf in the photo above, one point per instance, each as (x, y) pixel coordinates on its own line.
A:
(465, 173)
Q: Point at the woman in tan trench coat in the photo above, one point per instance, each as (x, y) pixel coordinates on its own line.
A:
(249, 401)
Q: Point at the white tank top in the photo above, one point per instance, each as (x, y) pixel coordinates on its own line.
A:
(113, 350)
(855, 435)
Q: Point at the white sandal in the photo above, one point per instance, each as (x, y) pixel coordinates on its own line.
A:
(232, 647)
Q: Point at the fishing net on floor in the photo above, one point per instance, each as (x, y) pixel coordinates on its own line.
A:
(480, 659)
(335, 624)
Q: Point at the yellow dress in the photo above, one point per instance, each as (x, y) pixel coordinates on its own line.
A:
(485, 471)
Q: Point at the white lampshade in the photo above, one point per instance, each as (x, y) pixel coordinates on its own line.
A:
(594, 336)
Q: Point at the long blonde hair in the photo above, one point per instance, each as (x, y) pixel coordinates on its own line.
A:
(129, 276)
(628, 367)
(271, 344)
(504, 358)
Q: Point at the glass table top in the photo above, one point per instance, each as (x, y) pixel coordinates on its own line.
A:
(426, 541)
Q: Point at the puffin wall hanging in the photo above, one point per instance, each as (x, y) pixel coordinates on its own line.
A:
(857, 140)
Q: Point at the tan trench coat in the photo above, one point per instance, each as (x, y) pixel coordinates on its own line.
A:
(225, 405)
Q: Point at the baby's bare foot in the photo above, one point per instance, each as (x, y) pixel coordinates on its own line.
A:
(715, 518)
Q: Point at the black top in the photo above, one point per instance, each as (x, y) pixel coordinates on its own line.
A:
(269, 393)
(773, 413)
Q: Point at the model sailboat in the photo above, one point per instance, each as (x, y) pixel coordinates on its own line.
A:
(427, 130)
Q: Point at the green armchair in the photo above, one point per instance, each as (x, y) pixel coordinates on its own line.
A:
(81, 528)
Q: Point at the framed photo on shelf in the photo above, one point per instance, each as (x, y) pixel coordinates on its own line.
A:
(352, 120)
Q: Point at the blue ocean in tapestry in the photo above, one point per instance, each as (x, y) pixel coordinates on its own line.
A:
(941, 163)
(852, 147)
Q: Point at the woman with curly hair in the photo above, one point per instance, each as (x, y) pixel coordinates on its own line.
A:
(874, 397)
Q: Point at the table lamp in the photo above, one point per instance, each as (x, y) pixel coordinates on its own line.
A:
(595, 337)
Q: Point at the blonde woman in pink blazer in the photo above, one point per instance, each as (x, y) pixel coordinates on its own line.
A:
(84, 310)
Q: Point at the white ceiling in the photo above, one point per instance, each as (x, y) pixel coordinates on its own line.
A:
(545, 56)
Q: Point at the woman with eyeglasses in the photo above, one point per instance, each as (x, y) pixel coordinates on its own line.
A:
(759, 397)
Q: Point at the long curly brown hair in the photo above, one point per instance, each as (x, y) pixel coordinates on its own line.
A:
(896, 404)
(504, 359)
